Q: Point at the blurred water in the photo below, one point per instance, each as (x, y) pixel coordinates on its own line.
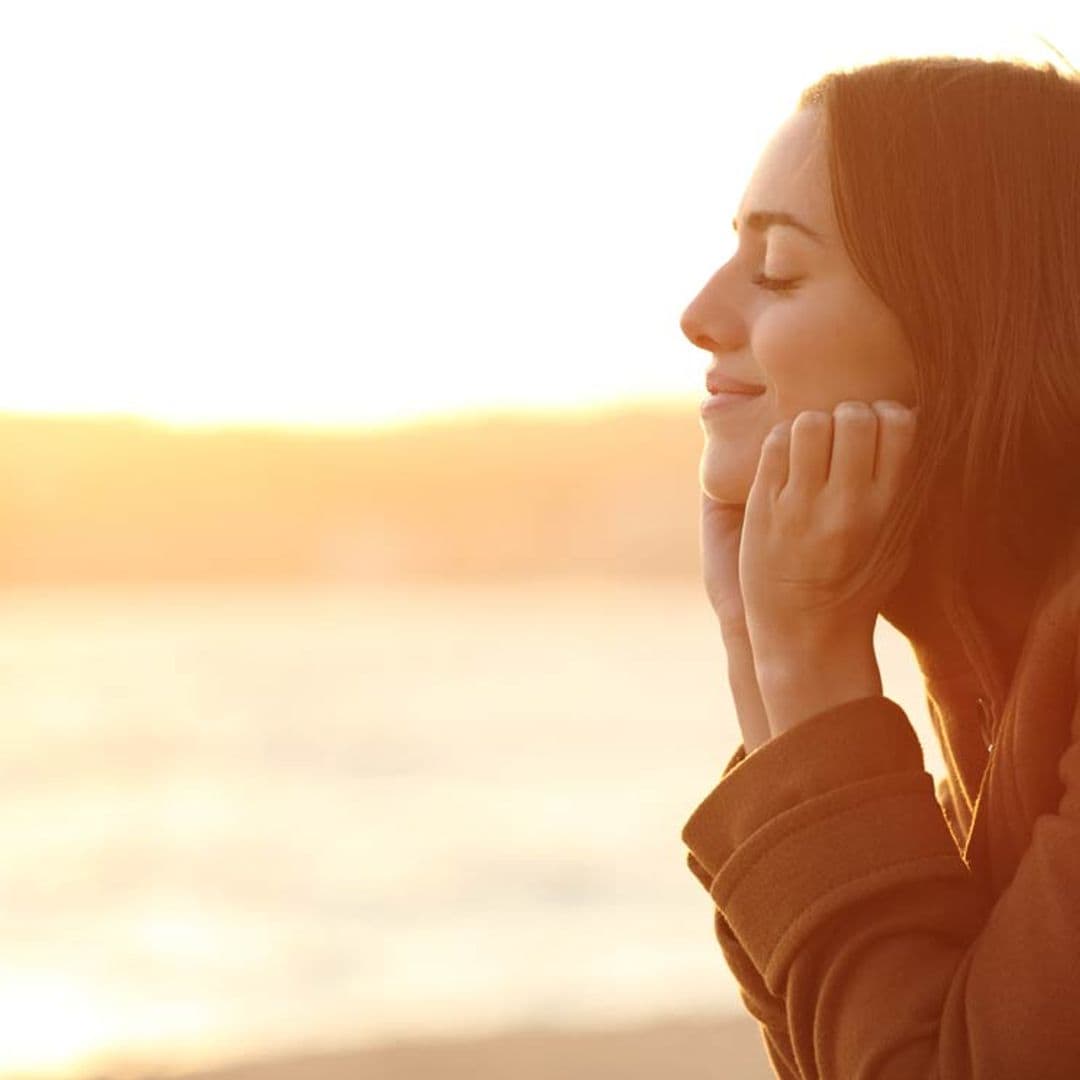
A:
(247, 819)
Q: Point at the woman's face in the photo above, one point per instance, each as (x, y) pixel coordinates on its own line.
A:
(822, 339)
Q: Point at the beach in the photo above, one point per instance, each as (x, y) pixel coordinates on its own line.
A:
(694, 1048)
(252, 822)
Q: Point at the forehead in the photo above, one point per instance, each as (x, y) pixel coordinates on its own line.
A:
(792, 174)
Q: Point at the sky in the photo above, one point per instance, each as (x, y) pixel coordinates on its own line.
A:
(377, 212)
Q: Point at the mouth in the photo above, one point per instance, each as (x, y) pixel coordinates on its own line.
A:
(719, 383)
(725, 399)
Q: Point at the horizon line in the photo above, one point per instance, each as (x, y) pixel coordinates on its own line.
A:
(464, 417)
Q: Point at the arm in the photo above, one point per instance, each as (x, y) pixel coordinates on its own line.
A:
(797, 538)
(801, 677)
(792, 689)
(839, 876)
(745, 690)
(768, 1009)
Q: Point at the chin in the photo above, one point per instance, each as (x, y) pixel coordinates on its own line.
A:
(724, 476)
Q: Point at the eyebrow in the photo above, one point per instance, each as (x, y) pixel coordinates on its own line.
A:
(760, 220)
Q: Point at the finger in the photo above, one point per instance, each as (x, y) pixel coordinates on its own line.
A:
(811, 447)
(772, 470)
(896, 434)
(855, 434)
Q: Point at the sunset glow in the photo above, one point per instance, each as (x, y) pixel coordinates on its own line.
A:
(50, 1023)
(258, 214)
(366, 213)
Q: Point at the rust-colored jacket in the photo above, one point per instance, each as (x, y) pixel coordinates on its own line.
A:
(882, 930)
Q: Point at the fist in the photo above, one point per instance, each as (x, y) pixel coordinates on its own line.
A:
(824, 486)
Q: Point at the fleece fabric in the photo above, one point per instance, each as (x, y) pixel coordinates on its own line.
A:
(884, 928)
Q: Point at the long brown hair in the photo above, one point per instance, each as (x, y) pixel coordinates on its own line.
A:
(956, 184)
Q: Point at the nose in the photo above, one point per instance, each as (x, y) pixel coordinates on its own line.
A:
(712, 322)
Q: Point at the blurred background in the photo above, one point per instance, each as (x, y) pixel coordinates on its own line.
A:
(356, 680)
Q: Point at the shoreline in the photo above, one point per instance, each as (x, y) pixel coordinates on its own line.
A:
(683, 1048)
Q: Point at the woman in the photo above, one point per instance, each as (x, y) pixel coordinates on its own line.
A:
(901, 325)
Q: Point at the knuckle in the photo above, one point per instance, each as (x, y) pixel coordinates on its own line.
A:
(857, 412)
(894, 412)
(812, 419)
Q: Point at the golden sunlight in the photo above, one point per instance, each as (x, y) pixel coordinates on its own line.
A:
(51, 1024)
(373, 238)
(261, 705)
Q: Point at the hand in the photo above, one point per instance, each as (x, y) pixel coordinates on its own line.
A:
(823, 488)
(721, 532)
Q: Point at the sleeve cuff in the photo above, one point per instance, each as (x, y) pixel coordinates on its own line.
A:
(859, 739)
(839, 804)
(696, 868)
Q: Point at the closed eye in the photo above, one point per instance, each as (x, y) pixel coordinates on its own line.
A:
(774, 284)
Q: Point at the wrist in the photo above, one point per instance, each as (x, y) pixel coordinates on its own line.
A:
(811, 635)
(735, 634)
(742, 680)
(801, 679)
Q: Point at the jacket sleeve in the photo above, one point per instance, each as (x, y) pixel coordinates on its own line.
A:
(835, 871)
(765, 1007)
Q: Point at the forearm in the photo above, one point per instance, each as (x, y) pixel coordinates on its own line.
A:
(799, 678)
(742, 678)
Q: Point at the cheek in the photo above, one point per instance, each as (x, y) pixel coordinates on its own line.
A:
(802, 352)
(820, 350)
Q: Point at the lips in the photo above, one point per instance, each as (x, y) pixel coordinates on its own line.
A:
(716, 383)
